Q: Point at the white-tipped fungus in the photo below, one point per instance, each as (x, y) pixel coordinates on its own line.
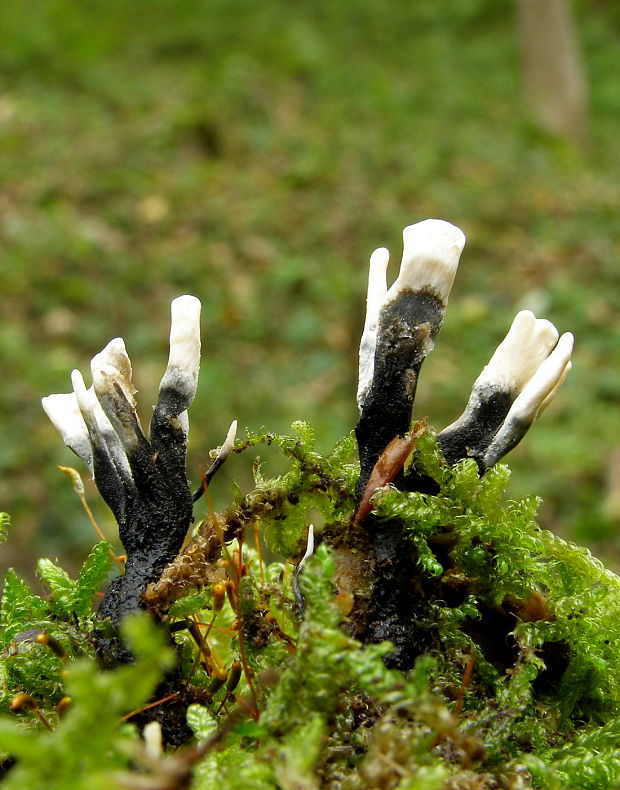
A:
(377, 290)
(535, 396)
(100, 429)
(431, 253)
(229, 442)
(111, 371)
(309, 547)
(518, 383)
(111, 368)
(64, 412)
(521, 352)
(184, 359)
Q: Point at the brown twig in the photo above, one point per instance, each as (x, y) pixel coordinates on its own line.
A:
(388, 466)
(150, 705)
(469, 668)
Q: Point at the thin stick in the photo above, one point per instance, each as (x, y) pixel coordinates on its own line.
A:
(150, 705)
(78, 487)
(469, 668)
(256, 533)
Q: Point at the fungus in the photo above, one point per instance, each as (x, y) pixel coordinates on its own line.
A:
(399, 332)
(518, 383)
(401, 324)
(308, 553)
(143, 480)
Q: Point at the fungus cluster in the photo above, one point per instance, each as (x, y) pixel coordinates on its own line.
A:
(144, 481)
(401, 324)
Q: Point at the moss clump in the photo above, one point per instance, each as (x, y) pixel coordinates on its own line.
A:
(515, 684)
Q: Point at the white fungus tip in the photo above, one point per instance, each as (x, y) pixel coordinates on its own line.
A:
(79, 388)
(65, 415)
(377, 285)
(112, 366)
(379, 261)
(86, 398)
(153, 740)
(525, 325)
(232, 433)
(185, 304)
(99, 425)
(431, 253)
(380, 257)
(551, 395)
(63, 410)
(544, 383)
(521, 352)
(309, 545)
(184, 358)
(535, 396)
(229, 442)
(377, 290)
(114, 350)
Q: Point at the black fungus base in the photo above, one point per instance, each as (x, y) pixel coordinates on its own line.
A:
(154, 513)
(405, 335)
(399, 612)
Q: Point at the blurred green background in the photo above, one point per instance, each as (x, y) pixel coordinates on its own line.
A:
(254, 154)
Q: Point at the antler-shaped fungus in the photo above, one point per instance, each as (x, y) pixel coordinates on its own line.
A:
(401, 323)
(517, 384)
(142, 480)
(400, 329)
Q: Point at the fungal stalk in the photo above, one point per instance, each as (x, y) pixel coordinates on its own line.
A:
(518, 383)
(401, 325)
(399, 332)
(143, 480)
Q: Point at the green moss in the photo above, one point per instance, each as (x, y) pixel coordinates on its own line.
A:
(534, 618)
(5, 523)
(89, 742)
(314, 482)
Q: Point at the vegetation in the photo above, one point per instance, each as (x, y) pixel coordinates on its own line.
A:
(517, 687)
(425, 633)
(154, 148)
